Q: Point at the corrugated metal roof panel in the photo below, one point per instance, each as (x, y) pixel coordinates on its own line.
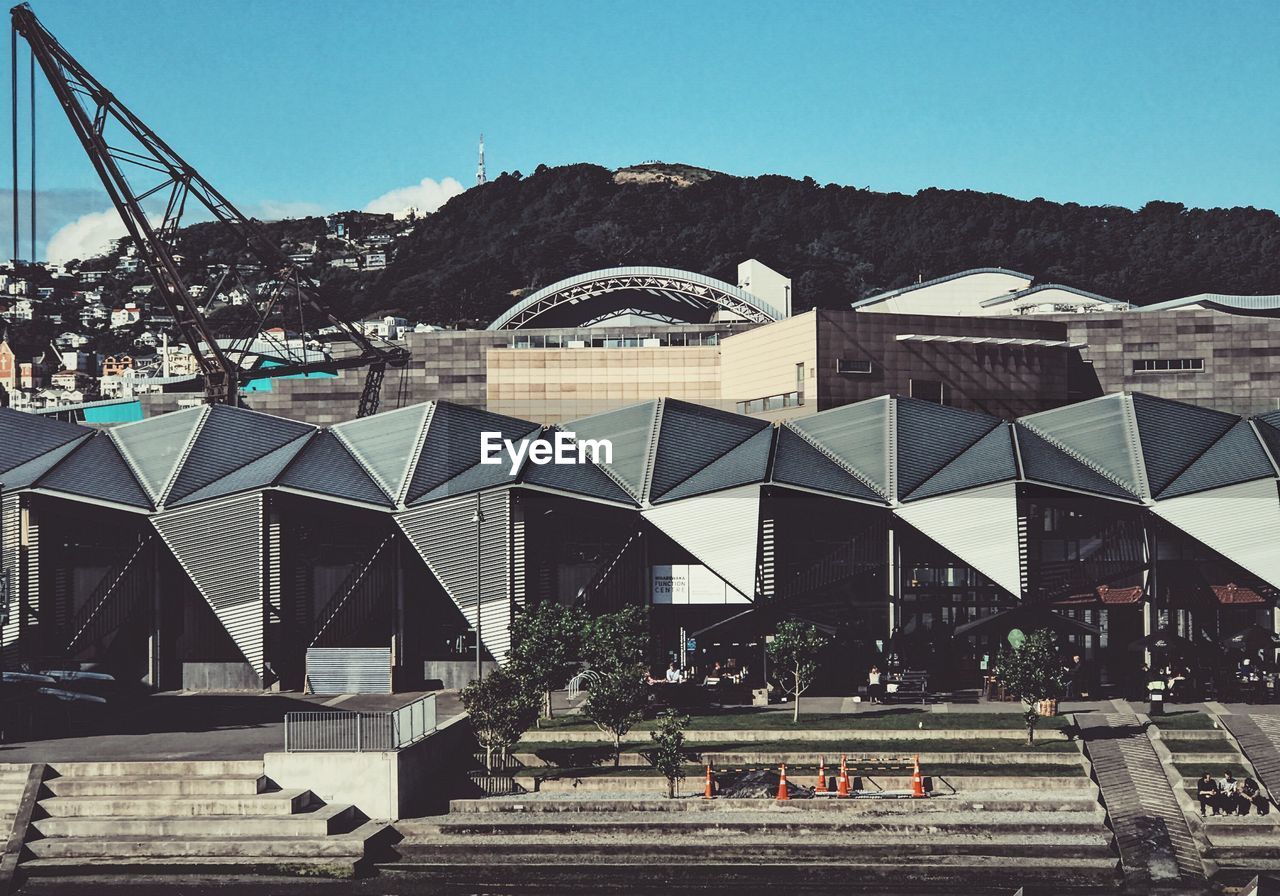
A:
(154, 447)
(856, 435)
(25, 474)
(722, 530)
(96, 470)
(1240, 522)
(579, 479)
(326, 467)
(232, 578)
(630, 429)
(445, 536)
(1100, 433)
(386, 444)
(452, 450)
(1269, 429)
(230, 440)
(931, 436)
(749, 462)
(256, 474)
(991, 459)
(1174, 434)
(692, 437)
(25, 437)
(990, 546)
(1044, 462)
(796, 462)
(1234, 458)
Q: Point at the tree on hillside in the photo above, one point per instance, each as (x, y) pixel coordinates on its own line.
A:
(794, 654)
(546, 647)
(501, 709)
(1032, 672)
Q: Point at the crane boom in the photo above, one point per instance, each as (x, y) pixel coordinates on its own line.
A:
(95, 113)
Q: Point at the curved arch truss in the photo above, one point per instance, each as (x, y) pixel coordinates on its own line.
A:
(660, 293)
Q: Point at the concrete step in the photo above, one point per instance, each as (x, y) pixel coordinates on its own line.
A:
(321, 821)
(1007, 824)
(197, 868)
(748, 848)
(286, 802)
(203, 768)
(1071, 802)
(971, 875)
(350, 845)
(693, 783)
(106, 785)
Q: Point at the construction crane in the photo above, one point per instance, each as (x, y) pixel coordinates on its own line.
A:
(115, 140)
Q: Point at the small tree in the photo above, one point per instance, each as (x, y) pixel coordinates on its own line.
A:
(668, 748)
(1032, 672)
(794, 653)
(501, 708)
(615, 702)
(546, 643)
(616, 641)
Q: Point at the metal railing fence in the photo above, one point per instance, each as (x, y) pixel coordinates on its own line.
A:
(360, 732)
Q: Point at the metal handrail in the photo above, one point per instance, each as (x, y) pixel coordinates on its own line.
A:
(360, 732)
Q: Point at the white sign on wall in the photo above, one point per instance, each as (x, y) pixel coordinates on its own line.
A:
(690, 585)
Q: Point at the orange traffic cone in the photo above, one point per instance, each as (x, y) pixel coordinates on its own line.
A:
(842, 782)
(917, 782)
(782, 782)
(708, 792)
(822, 775)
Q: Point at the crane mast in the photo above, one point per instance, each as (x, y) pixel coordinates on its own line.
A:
(95, 113)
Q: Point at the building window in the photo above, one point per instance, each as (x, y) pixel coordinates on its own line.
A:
(929, 390)
(1168, 365)
(852, 365)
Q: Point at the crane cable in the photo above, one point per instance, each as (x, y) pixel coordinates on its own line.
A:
(13, 66)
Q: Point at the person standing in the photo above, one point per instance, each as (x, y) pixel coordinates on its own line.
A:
(875, 690)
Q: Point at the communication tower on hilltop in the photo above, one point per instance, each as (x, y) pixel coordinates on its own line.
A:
(480, 175)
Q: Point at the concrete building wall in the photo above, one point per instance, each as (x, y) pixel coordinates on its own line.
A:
(552, 385)
(962, 295)
(1003, 380)
(1240, 373)
(762, 364)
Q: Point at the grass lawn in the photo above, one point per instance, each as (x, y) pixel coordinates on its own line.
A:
(888, 718)
(1184, 718)
(593, 754)
(1216, 769)
(1199, 745)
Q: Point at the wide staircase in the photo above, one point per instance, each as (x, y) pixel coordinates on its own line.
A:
(989, 841)
(1237, 847)
(130, 817)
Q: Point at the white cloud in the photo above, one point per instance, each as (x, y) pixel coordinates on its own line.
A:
(424, 197)
(86, 236)
(279, 209)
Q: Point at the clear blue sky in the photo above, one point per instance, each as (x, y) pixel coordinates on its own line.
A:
(334, 103)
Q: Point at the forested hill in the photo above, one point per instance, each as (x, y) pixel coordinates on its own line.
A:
(838, 243)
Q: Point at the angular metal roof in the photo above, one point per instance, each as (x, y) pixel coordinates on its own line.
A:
(721, 530)
(229, 440)
(449, 462)
(97, 470)
(581, 479)
(1100, 433)
(27, 437)
(692, 438)
(155, 447)
(387, 444)
(1236, 457)
(324, 466)
(796, 462)
(990, 459)
(747, 463)
(1174, 434)
(632, 431)
(1045, 463)
(858, 437)
(931, 436)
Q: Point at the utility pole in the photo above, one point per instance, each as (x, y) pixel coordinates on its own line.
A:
(478, 519)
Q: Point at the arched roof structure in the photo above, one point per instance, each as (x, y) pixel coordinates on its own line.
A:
(665, 293)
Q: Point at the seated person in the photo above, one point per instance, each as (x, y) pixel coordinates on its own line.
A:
(1207, 791)
(1252, 794)
(713, 675)
(1227, 797)
(673, 673)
